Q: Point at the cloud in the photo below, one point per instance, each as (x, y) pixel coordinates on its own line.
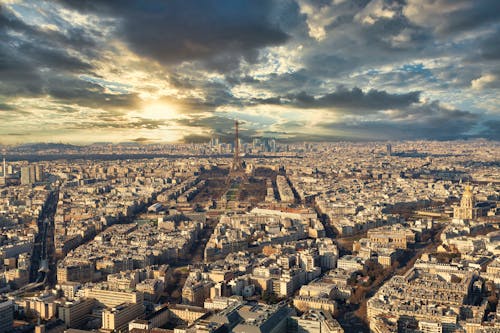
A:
(118, 122)
(270, 100)
(17, 134)
(431, 121)
(217, 124)
(220, 34)
(376, 10)
(352, 101)
(185, 69)
(319, 15)
(355, 99)
(221, 126)
(71, 90)
(195, 138)
(34, 62)
(485, 81)
(489, 49)
(6, 107)
(451, 16)
(490, 129)
(142, 140)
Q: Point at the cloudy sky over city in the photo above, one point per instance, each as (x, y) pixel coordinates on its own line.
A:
(297, 70)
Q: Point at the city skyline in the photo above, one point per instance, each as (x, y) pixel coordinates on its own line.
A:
(352, 237)
(295, 70)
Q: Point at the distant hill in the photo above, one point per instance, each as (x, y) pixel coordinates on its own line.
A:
(48, 145)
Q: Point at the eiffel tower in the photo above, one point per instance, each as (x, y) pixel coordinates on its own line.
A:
(237, 171)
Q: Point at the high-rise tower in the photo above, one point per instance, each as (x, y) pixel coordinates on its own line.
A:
(237, 171)
(3, 180)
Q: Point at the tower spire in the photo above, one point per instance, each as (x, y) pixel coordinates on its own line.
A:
(236, 140)
(236, 171)
(4, 176)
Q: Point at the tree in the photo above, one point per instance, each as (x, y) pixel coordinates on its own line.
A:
(269, 297)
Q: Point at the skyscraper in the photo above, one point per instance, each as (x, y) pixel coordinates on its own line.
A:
(28, 176)
(6, 315)
(25, 175)
(273, 145)
(3, 180)
(39, 174)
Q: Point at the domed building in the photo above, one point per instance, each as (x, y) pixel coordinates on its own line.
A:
(467, 209)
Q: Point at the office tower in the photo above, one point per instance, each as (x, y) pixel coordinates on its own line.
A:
(31, 174)
(3, 180)
(6, 315)
(26, 176)
(273, 145)
(39, 174)
(389, 149)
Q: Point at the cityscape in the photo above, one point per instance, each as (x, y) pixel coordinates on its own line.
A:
(310, 237)
(248, 166)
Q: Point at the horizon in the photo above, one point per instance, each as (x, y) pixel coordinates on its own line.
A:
(294, 70)
(248, 140)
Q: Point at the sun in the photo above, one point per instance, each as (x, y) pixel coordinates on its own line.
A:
(157, 111)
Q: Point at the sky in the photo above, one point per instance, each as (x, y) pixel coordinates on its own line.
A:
(296, 70)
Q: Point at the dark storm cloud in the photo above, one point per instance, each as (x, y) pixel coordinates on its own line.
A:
(22, 58)
(490, 129)
(426, 121)
(489, 49)
(433, 112)
(71, 90)
(52, 58)
(6, 107)
(384, 34)
(72, 37)
(357, 99)
(351, 45)
(26, 69)
(28, 48)
(35, 63)
(220, 33)
(287, 83)
(452, 16)
(214, 52)
(342, 98)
